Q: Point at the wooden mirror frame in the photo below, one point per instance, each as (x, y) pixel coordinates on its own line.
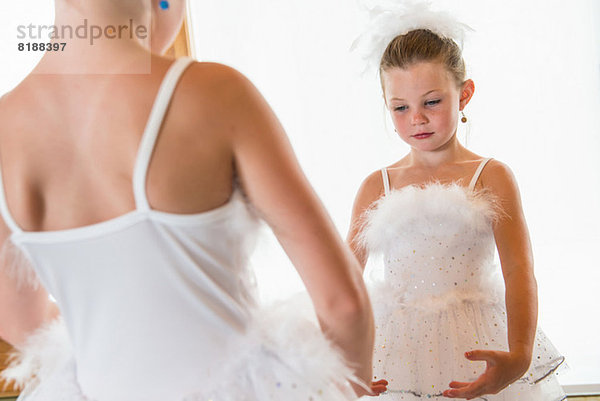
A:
(5, 391)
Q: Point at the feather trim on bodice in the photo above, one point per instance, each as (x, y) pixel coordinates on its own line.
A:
(433, 209)
(438, 245)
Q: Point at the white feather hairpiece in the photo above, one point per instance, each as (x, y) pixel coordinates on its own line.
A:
(391, 18)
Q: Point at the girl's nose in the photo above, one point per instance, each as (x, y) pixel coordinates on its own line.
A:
(418, 118)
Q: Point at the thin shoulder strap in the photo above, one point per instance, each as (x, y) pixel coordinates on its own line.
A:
(6, 216)
(478, 173)
(146, 147)
(386, 180)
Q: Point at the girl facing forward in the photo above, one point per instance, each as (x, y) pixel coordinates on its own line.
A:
(437, 215)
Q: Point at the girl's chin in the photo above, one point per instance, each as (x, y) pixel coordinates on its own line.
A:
(425, 147)
(429, 145)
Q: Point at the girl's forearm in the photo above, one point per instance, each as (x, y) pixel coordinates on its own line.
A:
(23, 315)
(351, 328)
(521, 308)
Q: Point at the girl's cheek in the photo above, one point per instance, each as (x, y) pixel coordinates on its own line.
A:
(399, 120)
(399, 126)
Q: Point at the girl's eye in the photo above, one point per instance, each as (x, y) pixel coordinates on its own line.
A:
(432, 102)
(400, 108)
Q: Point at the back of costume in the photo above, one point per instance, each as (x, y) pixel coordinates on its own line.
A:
(162, 306)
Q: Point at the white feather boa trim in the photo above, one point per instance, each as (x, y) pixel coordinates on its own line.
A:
(389, 300)
(281, 356)
(284, 355)
(41, 356)
(435, 208)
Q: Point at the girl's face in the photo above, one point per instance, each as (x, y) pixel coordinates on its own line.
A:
(424, 102)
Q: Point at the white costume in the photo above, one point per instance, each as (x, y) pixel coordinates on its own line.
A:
(440, 294)
(160, 306)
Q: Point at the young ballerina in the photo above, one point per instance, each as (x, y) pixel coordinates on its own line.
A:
(437, 215)
(134, 199)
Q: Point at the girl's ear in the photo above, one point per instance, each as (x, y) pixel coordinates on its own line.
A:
(167, 18)
(466, 92)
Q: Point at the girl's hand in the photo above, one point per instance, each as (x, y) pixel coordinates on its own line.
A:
(502, 369)
(379, 386)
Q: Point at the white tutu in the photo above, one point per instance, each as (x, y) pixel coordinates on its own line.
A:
(275, 359)
(420, 349)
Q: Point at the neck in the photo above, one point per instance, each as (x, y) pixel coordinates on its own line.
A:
(93, 41)
(450, 152)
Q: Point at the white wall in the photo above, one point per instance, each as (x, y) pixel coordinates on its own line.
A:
(16, 64)
(536, 65)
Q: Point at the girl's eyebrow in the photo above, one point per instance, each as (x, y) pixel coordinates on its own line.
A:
(433, 90)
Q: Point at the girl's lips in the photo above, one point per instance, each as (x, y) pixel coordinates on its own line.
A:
(423, 135)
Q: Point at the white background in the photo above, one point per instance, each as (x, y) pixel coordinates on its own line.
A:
(536, 66)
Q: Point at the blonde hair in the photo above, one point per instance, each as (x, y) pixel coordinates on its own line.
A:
(423, 45)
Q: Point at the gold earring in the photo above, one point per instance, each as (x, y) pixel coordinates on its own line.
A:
(463, 118)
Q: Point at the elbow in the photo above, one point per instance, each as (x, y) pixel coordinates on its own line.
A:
(345, 300)
(19, 325)
(352, 308)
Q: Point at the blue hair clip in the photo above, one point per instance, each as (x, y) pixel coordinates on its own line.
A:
(164, 5)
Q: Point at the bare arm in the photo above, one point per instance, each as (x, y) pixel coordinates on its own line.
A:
(516, 258)
(514, 248)
(370, 190)
(23, 308)
(275, 184)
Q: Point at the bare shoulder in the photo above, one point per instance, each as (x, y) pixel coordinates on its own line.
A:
(217, 81)
(370, 190)
(11, 106)
(500, 180)
(220, 95)
(216, 73)
(497, 173)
